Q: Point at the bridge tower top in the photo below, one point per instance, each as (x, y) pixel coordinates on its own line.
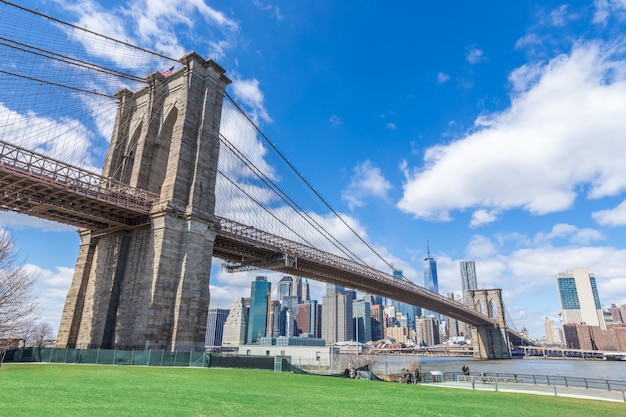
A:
(166, 136)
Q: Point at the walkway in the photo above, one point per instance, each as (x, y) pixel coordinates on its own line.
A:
(560, 391)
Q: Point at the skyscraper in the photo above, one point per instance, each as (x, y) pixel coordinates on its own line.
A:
(362, 321)
(580, 302)
(285, 286)
(468, 278)
(407, 311)
(259, 303)
(430, 274)
(306, 292)
(430, 280)
(337, 317)
(215, 326)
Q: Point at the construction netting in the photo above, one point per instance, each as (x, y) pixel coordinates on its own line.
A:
(148, 358)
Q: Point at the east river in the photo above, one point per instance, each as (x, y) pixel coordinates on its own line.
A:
(602, 369)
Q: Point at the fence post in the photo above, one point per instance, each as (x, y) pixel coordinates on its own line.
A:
(114, 355)
(98, 357)
(149, 352)
(162, 353)
(554, 390)
(132, 357)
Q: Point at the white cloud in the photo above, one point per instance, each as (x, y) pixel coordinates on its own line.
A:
(475, 55)
(560, 15)
(335, 120)
(562, 134)
(481, 217)
(611, 217)
(604, 9)
(153, 24)
(442, 77)
(391, 126)
(249, 93)
(272, 9)
(573, 234)
(367, 181)
(52, 288)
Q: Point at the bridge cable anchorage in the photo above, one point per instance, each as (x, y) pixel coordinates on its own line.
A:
(307, 183)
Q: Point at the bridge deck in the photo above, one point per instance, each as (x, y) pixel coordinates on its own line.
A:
(37, 185)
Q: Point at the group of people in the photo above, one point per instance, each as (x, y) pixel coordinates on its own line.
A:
(410, 377)
(465, 370)
(352, 373)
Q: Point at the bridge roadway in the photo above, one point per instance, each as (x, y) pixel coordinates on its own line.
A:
(245, 247)
(37, 185)
(33, 184)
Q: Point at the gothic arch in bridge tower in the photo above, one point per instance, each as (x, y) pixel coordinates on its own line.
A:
(147, 286)
(490, 342)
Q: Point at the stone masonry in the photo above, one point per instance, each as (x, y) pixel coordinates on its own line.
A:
(148, 287)
(490, 342)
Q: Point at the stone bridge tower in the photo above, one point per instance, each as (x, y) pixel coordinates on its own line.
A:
(490, 342)
(148, 287)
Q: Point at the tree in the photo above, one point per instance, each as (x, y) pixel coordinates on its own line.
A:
(17, 294)
(41, 334)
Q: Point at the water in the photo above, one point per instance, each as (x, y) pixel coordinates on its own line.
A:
(613, 370)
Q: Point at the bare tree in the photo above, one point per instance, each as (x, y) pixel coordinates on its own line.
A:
(41, 335)
(17, 294)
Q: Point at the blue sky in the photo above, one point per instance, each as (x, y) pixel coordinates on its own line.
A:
(492, 130)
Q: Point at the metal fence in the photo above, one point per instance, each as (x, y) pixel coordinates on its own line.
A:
(528, 379)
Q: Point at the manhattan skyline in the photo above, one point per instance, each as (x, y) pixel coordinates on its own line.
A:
(492, 131)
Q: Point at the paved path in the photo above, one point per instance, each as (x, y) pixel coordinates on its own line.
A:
(560, 391)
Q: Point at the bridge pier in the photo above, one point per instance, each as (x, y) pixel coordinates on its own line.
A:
(490, 341)
(148, 287)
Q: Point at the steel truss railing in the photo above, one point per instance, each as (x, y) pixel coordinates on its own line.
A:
(59, 174)
(258, 238)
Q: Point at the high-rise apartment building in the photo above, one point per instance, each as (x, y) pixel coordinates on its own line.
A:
(215, 326)
(259, 307)
(580, 302)
(468, 278)
(549, 328)
(236, 325)
(427, 331)
(337, 323)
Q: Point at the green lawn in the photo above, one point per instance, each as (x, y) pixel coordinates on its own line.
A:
(98, 390)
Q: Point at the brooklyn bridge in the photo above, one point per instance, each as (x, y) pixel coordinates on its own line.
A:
(185, 179)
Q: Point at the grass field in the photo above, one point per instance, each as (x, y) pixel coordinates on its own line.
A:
(91, 390)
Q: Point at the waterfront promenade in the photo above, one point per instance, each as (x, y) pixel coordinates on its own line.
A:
(536, 389)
